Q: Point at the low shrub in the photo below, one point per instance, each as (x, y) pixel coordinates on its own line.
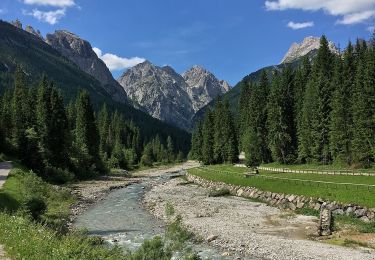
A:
(218, 192)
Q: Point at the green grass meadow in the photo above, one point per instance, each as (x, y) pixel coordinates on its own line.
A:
(364, 196)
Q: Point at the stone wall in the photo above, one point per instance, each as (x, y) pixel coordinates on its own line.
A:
(288, 201)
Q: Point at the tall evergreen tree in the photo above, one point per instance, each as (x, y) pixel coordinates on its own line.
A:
(208, 138)
(86, 137)
(282, 134)
(320, 79)
(341, 117)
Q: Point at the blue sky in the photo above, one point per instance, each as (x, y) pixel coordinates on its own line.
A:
(230, 38)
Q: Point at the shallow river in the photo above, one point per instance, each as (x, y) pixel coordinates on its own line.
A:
(121, 219)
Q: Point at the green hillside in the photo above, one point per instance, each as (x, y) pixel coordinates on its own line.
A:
(18, 47)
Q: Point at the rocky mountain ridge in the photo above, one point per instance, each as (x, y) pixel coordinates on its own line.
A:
(203, 86)
(81, 53)
(309, 44)
(169, 96)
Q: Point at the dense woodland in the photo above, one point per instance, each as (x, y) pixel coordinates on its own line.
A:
(321, 112)
(62, 143)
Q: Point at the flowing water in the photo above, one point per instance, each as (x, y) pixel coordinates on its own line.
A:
(121, 219)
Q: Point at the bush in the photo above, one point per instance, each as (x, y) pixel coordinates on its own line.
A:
(146, 160)
(218, 193)
(152, 249)
(58, 175)
(36, 206)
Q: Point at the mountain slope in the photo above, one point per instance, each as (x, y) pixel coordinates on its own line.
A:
(293, 58)
(203, 86)
(80, 52)
(159, 90)
(37, 57)
(307, 46)
(169, 96)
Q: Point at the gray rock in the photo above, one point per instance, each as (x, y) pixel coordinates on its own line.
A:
(81, 53)
(211, 238)
(360, 213)
(308, 45)
(203, 86)
(338, 212)
(169, 96)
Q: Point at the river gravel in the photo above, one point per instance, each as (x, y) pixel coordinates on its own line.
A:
(240, 226)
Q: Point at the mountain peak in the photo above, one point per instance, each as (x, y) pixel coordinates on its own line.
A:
(81, 53)
(308, 44)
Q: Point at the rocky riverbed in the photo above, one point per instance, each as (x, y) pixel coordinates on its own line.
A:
(240, 226)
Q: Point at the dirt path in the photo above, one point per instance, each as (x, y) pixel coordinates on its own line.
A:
(5, 168)
(250, 228)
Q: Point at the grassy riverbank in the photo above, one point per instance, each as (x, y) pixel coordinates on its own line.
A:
(33, 214)
(287, 184)
(315, 166)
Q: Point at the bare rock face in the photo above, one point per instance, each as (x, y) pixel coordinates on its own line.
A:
(17, 24)
(203, 86)
(308, 45)
(160, 91)
(80, 52)
(169, 96)
(31, 30)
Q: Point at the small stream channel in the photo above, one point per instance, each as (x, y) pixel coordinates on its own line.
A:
(121, 219)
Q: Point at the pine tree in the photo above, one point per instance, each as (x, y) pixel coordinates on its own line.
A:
(282, 133)
(341, 118)
(208, 138)
(86, 137)
(19, 113)
(320, 79)
(218, 127)
(196, 143)
(229, 134)
(364, 111)
(170, 149)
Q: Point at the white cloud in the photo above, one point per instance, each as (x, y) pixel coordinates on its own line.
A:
(371, 29)
(56, 3)
(51, 17)
(115, 62)
(296, 26)
(351, 11)
(3, 11)
(357, 17)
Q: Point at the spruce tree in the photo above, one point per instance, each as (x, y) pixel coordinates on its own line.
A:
(364, 111)
(341, 117)
(208, 138)
(281, 127)
(320, 79)
(86, 137)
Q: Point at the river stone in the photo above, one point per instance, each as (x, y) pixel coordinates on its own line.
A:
(300, 205)
(211, 238)
(370, 214)
(292, 206)
(365, 219)
(317, 206)
(338, 212)
(360, 212)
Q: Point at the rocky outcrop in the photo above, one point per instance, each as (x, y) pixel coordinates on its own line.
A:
(80, 52)
(169, 96)
(289, 201)
(17, 24)
(308, 45)
(31, 30)
(160, 91)
(203, 86)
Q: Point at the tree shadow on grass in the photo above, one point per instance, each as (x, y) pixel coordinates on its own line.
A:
(8, 203)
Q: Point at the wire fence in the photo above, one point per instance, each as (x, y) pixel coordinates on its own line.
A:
(322, 172)
(315, 183)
